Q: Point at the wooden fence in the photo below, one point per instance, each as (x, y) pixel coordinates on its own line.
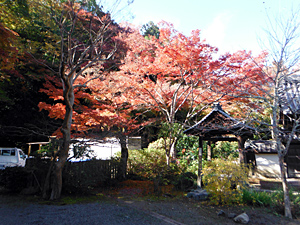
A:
(81, 176)
(77, 175)
(100, 168)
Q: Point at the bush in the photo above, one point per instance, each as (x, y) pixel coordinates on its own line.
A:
(151, 164)
(15, 179)
(257, 198)
(188, 149)
(272, 199)
(147, 163)
(225, 180)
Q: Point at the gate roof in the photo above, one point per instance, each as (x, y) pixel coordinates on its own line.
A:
(219, 124)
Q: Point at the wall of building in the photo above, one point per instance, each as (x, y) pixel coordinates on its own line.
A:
(267, 165)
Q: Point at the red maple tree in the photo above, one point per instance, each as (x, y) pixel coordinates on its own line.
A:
(87, 41)
(175, 71)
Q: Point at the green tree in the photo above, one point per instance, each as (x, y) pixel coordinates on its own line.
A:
(150, 29)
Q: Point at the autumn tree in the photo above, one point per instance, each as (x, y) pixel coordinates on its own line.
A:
(100, 109)
(86, 41)
(176, 72)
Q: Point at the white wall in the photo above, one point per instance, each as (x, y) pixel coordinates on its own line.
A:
(100, 150)
(105, 149)
(267, 165)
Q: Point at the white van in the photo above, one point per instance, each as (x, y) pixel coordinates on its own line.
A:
(10, 157)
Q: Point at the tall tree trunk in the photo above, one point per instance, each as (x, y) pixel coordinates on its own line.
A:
(124, 156)
(168, 157)
(241, 146)
(56, 184)
(173, 149)
(281, 153)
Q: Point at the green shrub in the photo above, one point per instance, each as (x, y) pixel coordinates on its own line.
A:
(188, 146)
(151, 164)
(272, 199)
(225, 180)
(257, 198)
(187, 155)
(147, 163)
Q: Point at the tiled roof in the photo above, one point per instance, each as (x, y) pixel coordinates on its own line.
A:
(218, 122)
(261, 146)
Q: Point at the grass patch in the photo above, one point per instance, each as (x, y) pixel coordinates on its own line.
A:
(272, 200)
(257, 198)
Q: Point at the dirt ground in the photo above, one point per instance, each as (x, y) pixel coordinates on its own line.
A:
(129, 204)
(187, 211)
(128, 209)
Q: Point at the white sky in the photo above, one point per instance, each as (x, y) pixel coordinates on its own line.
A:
(230, 25)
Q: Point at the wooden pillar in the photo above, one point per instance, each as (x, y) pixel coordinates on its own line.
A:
(209, 150)
(241, 146)
(199, 178)
(29, 150)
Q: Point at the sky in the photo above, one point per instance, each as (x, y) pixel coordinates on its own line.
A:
(230, 25)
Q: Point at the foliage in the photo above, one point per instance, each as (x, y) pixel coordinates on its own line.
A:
(151, 164)
(150, 29)
(225, 150)
(225, 180)
(180, 76)
(188, 144)
(274, 199)
(28, 45)
(147, 163)
(257, 198)
(170, 132)
(187, 153)
(185, 181)
(158, 144)
(48, 149)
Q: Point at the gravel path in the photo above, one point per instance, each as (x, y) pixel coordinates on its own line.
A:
(18, 211)
(88, 213)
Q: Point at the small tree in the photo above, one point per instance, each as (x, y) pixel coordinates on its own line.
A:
(277, 94)
(285, 58)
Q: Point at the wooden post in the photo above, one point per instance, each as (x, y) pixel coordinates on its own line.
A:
(209, 150)
(199, 178)
(29, 150)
